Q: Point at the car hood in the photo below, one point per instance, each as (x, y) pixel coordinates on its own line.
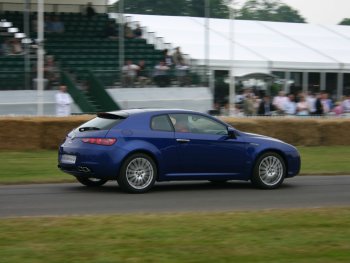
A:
(254, 136)
(257, 138)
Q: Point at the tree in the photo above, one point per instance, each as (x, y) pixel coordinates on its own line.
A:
(264, 10)
(269, 10)
(345, 22)
(196, 8)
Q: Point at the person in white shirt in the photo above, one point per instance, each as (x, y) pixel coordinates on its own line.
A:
(302, 106)
(280, 101)
(63, 102)
(129, 74)
(311, 102)
(290, 106)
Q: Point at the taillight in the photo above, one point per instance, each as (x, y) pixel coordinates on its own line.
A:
(100, 141)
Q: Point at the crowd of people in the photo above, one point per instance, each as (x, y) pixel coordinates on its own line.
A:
(161, 74)
(301, 104)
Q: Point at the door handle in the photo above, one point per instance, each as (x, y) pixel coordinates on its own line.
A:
(182, 140)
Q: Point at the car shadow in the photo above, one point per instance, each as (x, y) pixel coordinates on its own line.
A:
(113, 187)
(190, 186)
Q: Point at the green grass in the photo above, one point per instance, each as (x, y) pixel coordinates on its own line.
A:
(325, 160)
(318, 235)
(30, 167)
(41, 166)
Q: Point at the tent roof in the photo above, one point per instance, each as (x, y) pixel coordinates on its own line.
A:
(273, 45)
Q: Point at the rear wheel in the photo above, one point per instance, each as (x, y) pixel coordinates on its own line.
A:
(91, 182)
(269, 171)
(138, 173)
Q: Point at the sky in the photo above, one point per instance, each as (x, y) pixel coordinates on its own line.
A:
(321, 11)
(317, 11)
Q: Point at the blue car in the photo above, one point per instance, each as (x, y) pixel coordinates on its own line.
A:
(140, 146)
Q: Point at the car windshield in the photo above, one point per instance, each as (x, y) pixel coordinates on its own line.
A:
(103, 121)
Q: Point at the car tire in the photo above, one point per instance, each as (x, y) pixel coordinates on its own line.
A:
(269, 171)
(91, 182)
(138, 174)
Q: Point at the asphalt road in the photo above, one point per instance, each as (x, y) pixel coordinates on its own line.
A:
(74, 199)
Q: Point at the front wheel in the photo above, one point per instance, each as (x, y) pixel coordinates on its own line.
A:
(91, 182)
(269, 171)
(138, 173)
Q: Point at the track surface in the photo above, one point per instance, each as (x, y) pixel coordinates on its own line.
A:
(74, 199)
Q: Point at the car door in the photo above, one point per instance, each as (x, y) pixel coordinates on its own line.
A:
(205, 149)
(162, 136)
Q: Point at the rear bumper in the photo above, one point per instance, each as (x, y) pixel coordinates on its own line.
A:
(77, 170)
(94, 161)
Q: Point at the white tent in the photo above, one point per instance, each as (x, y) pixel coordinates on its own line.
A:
(270, 45)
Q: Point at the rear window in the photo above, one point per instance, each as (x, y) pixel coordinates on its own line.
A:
(102, 122)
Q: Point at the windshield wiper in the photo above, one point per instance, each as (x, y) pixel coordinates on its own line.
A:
(82, 129)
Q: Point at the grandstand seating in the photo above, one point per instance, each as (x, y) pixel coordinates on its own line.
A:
(81, 48)
(84, 56)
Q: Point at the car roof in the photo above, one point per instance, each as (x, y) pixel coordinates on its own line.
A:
(129, 112)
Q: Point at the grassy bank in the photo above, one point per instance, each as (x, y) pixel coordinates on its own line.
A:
(30, 167)
(319, 235)
(41, 166)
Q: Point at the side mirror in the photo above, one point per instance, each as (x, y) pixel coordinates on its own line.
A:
(231, 133)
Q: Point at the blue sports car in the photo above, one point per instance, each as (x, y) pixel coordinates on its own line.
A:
(140, 146)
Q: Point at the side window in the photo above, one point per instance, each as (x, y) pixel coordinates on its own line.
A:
(197, 124)
(180, 122)
(161, 123)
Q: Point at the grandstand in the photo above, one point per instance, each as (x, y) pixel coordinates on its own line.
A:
(87, 60)
(312, 57)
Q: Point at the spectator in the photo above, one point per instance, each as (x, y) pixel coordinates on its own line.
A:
(63, 102)
(129, 74)
(90, 11)
(280, 101)
(128, 31)
(326, 103)
(48, 24)
(6, 47)
(167, 58)
(311, 102)
(111, 30)
(51, 72)
(181, 74)
(178, 57)
(248, 105)
(266, 107)
(289, 106)
(161, 75)
(338, 109)
(180, 66)
(256, 103)
(318, 105)
(137, 32)
(216, 110)
(57, 26)
(16, 47)
(142, 74)
(302, 106)
(346, 106)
